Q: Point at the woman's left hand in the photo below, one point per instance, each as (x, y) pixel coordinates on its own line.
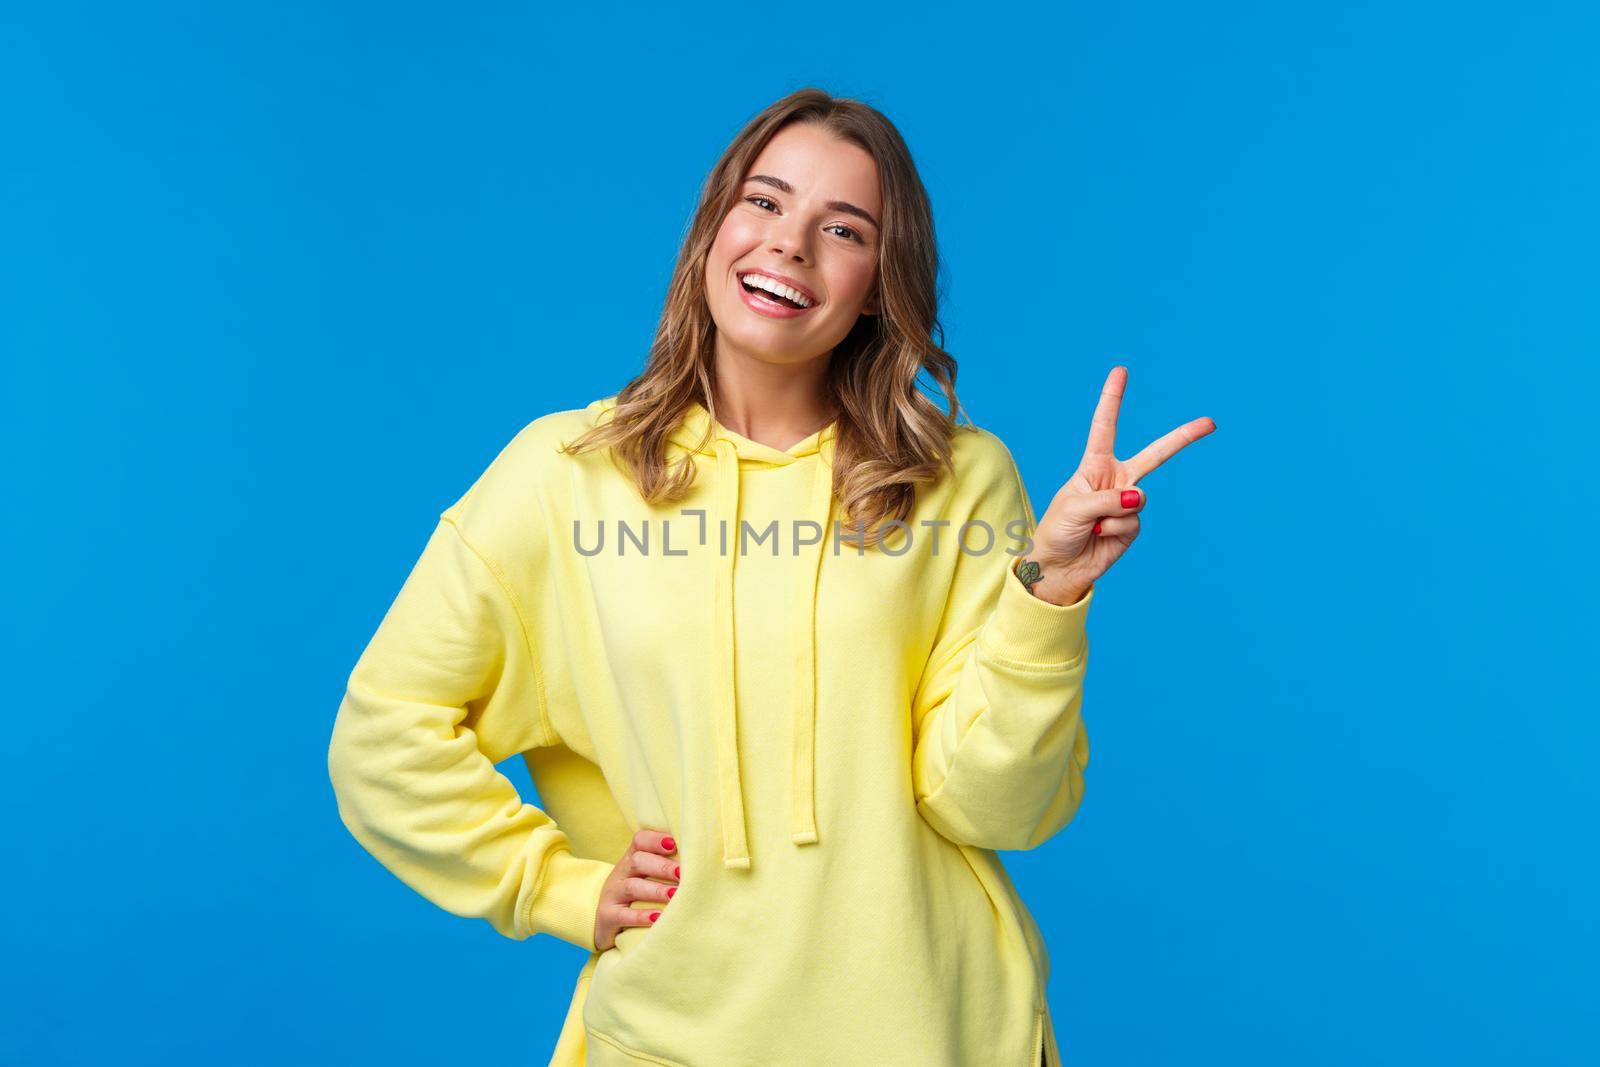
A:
(1093, 518)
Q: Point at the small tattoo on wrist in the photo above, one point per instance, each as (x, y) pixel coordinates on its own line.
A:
(1029, 572)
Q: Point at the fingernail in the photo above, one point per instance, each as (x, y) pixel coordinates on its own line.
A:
(677, 872)
(667, 842)
(671, 889)
(1097, 526)
(654, 915)
(1130, 498)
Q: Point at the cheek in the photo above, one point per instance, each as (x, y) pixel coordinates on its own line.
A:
(735, 234)
(719, 260)
(851, 282)
(728, 248)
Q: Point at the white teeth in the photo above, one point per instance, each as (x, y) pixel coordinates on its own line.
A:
(761, 281)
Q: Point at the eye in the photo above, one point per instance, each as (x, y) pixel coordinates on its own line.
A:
(849, 232)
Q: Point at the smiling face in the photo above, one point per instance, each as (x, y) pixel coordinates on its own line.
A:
(807, 218)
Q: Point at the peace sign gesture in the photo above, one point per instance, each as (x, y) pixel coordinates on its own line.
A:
(1093, 518)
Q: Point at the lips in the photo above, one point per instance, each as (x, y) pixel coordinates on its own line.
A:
(759, 302)
(781, 277)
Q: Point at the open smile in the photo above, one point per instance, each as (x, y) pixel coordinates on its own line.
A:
(767, 296)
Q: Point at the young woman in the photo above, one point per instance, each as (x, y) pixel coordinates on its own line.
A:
(775, 629)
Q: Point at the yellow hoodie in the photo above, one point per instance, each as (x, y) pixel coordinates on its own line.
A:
(836, 739)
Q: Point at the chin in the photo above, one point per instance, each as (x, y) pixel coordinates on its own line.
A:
(760, 348)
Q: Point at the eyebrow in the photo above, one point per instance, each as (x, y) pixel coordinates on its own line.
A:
(831, 205)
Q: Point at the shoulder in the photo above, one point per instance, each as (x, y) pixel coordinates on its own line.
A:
(539, 444)
(978, 449)
(516, 484)
(981, 463)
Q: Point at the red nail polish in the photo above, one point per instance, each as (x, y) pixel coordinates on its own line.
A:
(677, 872)
(671, 889)
(669, 844)
(654, 915)
(1097, 526)
(1130, 498)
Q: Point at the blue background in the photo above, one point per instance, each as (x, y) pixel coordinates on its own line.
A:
(279, 283)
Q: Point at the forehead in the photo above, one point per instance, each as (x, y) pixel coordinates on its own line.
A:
(820, 166)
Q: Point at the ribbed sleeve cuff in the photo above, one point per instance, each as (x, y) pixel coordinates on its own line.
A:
(1025, 629)
(568, 898)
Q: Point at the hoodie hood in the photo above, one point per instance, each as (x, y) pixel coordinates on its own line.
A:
(733, 456)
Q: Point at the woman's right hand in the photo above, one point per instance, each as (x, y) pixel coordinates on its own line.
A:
(649, 856)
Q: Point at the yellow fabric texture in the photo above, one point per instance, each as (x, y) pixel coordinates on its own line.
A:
(837, 740)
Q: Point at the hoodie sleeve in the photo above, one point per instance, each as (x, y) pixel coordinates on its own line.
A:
(446, 689)
(1000, 748)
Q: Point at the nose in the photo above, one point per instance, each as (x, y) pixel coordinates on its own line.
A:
(791, 237)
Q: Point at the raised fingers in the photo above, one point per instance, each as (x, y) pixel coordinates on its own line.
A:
(1166, 446)
(1103, 427)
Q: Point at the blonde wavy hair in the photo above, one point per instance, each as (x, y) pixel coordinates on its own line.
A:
(890, 434)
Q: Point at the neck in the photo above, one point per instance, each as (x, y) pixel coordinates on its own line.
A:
(769, 403)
